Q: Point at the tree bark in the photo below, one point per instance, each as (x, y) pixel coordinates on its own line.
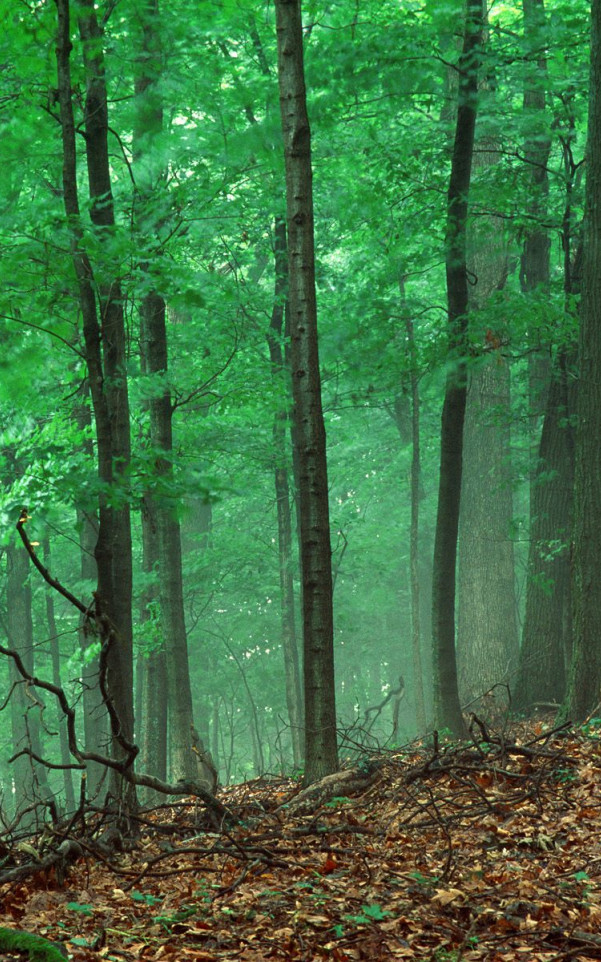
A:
(414, 546)
(65, 755)
(152, 663)
(282, 494)
(95, 718)
(184, 762)
(446, 696)
(321, 752)
(585, 674)
(487, 630)
(104, 343)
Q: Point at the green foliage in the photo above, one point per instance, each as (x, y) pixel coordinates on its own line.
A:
(36, 948)
(380, 100)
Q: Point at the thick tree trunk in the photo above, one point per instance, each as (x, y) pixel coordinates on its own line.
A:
(321, 753)
(534, 268)
(585, 674)
(487, 630)
(542, 671)
(446, 696)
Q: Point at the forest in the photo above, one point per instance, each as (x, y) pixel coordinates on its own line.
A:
(300, 417)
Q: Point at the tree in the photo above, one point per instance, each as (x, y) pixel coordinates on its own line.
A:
(487, 631)
(446, 697)
(101, 304)
(321, 752)
(185, 763)
(282, 493)
(585, 673)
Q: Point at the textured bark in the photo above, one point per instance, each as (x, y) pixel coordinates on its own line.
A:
(487, 631)
(446, 696)
(543, 656)
(542, 670)
(282, 494)
(584, 683)
(104, 342)
(321, 753)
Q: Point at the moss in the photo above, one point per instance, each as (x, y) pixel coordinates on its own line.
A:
(35, 947)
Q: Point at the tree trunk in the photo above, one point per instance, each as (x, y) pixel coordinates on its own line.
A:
(184, 763)
(65, 755)
(542, 671)
(534, 268)
(487, 630)
(282, 494)
(94, 712)
(414, 548)
(321, 752)
(152, 662)
(585, 674)
(542, 668)
(29, 778)
(104, 343)
(446, 696)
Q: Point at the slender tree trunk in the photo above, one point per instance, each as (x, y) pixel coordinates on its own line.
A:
(446, 697)
(94, 711)
(282, 494)
(65, 755)
(30, 779)
(104, 340)
(184, 763)
(152, 662)
(321, 752)
(585, 674)
(414, 552)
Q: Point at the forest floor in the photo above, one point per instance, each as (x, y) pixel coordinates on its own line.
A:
(482, 851)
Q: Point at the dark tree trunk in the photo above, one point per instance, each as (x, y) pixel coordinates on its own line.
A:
(321, 752)
(446, 697)
(542, 671)
(585, 674)
(65, 755)
(104, 342)
(95, 718)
